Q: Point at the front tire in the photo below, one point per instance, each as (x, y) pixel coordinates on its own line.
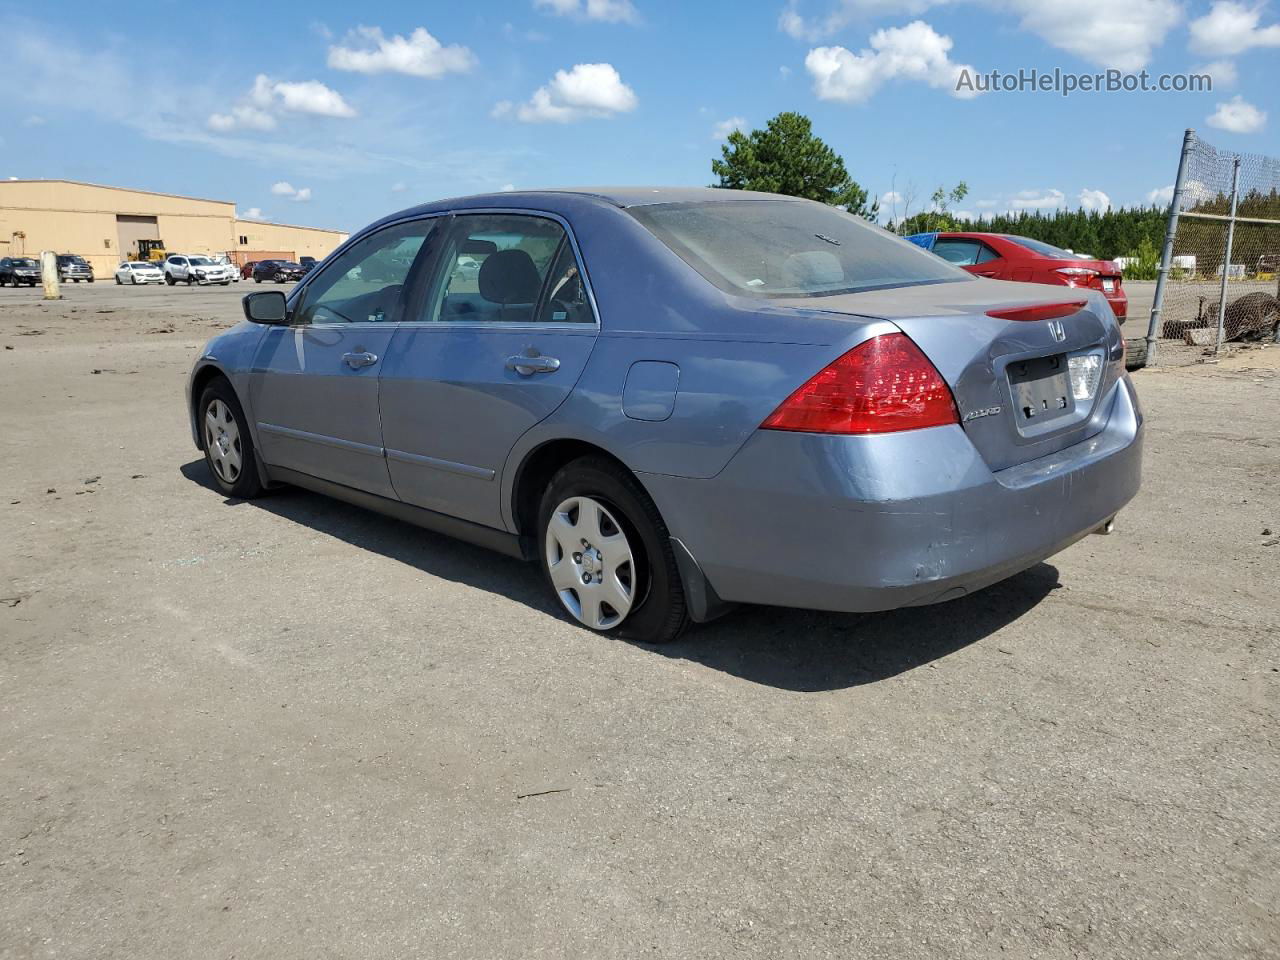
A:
(168, 278)
(607, 555)
(228, 449)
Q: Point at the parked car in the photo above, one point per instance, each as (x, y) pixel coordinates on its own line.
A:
(139, 271)
(180, 268)
(277, 271)
(72, 267)
(1005, 257)
(223, 260)
(246, 271)
(307, 263)
(749, 398)
(16, 271)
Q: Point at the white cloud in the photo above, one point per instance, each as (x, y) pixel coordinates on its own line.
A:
(913, 52)
(1160, 196)
(844, 13)
(244, 116)
(34, 121)
(725, 127)
(1237, 116)
(1088, 28)
(253, 213)
(399, 187)
(266, 99)
(1230, 28)
(284, 188)
(1092, 30)
(1094, 200)
(1038, 199)
(608, 11)
(587, 90)
(311, 96)
(506, 188)
(420, 54)
(890, 198)
(1223, 73)
(784, 72)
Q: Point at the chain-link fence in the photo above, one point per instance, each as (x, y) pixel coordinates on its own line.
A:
(1219, 279)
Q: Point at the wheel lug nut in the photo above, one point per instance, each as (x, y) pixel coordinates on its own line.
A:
(577, 558)
(586, 578)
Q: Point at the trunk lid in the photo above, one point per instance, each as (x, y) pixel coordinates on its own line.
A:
(1011, 378)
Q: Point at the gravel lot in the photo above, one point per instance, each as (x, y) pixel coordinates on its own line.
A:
(290, 728)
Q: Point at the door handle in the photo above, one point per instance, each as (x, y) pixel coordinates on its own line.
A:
(528, 366)
(357, 360)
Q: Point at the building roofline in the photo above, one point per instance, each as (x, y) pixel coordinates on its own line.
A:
(291, 226)
(105, 186)
(235, 214)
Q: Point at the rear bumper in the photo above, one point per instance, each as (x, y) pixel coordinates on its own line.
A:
(875, 523)
(1119, 305)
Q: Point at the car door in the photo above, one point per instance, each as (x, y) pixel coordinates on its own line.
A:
(501, 336)
(314, 382)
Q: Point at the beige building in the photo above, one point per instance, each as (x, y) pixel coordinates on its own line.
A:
(104, 225)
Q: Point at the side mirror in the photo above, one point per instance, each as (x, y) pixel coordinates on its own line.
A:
(265, 307)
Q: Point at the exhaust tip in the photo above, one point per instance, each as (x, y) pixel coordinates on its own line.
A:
(1106, 528)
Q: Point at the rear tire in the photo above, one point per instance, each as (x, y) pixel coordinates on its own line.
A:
(1135, 354)
(657, 612)
(226, 441)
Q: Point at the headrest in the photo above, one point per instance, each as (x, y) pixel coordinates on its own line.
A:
(509, 276)
(813, 267)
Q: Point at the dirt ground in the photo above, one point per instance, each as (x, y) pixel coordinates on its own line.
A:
(290, 728)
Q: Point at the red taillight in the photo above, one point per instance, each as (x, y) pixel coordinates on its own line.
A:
(880, 386)
(1043, 311)
(1078, 276)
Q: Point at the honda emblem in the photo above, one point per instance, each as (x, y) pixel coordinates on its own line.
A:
(1057, 330)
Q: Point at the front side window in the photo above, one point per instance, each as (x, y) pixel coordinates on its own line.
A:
(365, 284)
(508, 268)
(789, 248)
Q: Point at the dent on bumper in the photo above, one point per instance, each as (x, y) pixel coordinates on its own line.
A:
(874, 523)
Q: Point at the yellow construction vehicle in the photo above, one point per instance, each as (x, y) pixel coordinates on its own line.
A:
(151, 250)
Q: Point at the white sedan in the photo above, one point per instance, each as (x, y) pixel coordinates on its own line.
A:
(135, 271)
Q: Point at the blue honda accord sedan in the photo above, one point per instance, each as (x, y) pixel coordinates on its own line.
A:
(675, 400)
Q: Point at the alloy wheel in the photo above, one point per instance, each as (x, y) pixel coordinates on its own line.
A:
(591, 563)
(222, 441)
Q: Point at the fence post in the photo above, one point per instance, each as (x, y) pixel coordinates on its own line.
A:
(1226, 262)
(1166, 256)
(49, 274)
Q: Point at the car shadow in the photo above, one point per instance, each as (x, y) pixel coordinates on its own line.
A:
(803, 651)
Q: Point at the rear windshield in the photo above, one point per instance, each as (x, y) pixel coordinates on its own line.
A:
(789, 248)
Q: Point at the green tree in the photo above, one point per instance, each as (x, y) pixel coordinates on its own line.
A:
(786, 157)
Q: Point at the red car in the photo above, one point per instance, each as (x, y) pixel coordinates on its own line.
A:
(1005, 257)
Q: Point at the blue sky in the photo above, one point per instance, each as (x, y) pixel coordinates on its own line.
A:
(331, 114)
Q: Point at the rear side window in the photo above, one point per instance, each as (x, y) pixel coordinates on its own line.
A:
(789, 248)
(508, 268)
(964, 252)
